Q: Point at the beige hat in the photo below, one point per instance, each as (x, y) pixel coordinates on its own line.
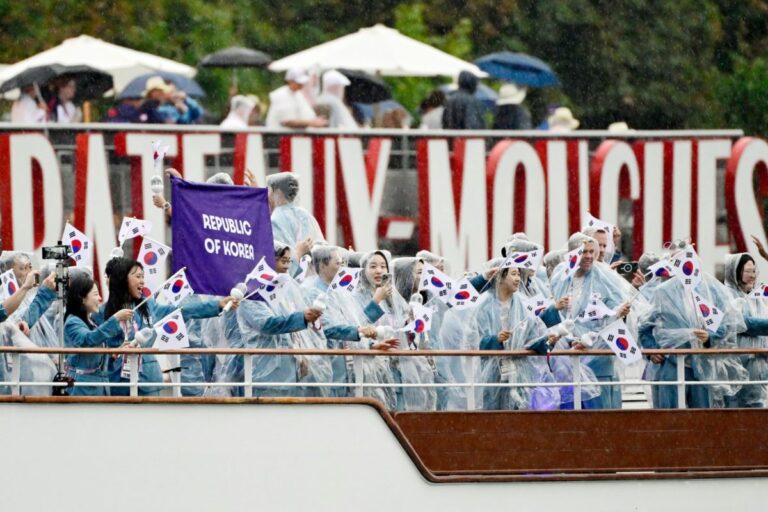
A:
(511, 94)
(562, 118)
(619, 127)
(156, 82)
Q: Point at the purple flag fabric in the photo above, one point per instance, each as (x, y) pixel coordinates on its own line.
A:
(219, 233)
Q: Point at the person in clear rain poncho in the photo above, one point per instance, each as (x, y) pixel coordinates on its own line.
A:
(286, 321)
(126, 284)
(678, 323)
(581, 284)
(740, 278)
(290, 222)
(343, 324)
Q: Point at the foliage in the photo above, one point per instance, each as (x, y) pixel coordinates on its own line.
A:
(683, 64)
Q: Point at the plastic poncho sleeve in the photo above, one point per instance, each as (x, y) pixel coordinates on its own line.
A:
(40, 304)
(539, 345)
(3, 313)
(78, 334)
(646, 338)
(342, 332)
(373, 311)
(550, 316)
(284, 324)
(478, 282)
(755, 326)
(491, 342)
(191, 310)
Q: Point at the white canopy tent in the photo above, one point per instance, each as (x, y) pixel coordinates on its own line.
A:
(378, 50)
(122, 63)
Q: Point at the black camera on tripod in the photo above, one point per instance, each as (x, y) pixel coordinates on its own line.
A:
(60, 254)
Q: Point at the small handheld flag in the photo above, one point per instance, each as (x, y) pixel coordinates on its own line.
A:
(304, 264)
(596, 310)
(463, 295)
(158, 154)
(422, 320)
(152, 256)
(662, 268)
(710, 314)
(688, 267)
(535, 306)
(618, 337)
(131, 228)
(176, 288)
(759, 292)
(346, 279)
(9, 284)
(81, 245)
(262, 273)
(171, 332)
(573, 260)
(526, 260)
(436, 282)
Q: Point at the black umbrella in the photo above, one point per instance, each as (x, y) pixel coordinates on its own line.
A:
(365, 88)
(91, 83)
(236, 57)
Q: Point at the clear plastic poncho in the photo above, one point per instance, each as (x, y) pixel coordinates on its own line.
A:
(252, 317)
(675, 316)
(34, 367)
(751, 395)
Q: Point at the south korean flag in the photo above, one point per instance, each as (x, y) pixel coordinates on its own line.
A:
(81, 246)
(663, 268)
(687, 267)
(346, 279)
(152, 256)
(572, 261)
(596, 310)
(304, 264)
(422, 320)
(261, 273)
(131, 228)
(710, 314)
(175, 289)
(158, 154)
(171, 332)
(759, 292)
(527, 260)
(9, 284)
(618, 337)
(436, 282)
(271, 292)
(536, 305)
(463, 295)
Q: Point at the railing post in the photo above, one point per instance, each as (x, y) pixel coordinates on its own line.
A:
(472, 389)
(357, 364)
(16, 373)
(680, 381)
(248, 375)
(577, 384)
(133, 362)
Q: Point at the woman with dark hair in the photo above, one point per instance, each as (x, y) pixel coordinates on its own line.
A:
(126, 283)
(291, 224)
(81, 331)
(740, 280)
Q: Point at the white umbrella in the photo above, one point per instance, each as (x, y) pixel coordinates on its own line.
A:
(381, 50)
(122, 63)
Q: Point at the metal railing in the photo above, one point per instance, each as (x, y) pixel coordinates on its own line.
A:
(359, 385)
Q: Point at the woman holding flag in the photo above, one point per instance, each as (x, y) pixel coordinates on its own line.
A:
(740, 279)
(693, 310)
(126, 284)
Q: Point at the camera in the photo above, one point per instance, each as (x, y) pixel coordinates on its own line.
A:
(57, 252)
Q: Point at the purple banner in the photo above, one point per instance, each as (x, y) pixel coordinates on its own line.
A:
(219, 232)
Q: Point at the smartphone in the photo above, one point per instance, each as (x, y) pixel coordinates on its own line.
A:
(628, 269)
(386, 279)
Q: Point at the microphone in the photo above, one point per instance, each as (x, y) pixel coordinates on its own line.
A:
(142, 336)
(156, 184)
(320, 305)
(238, 292)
